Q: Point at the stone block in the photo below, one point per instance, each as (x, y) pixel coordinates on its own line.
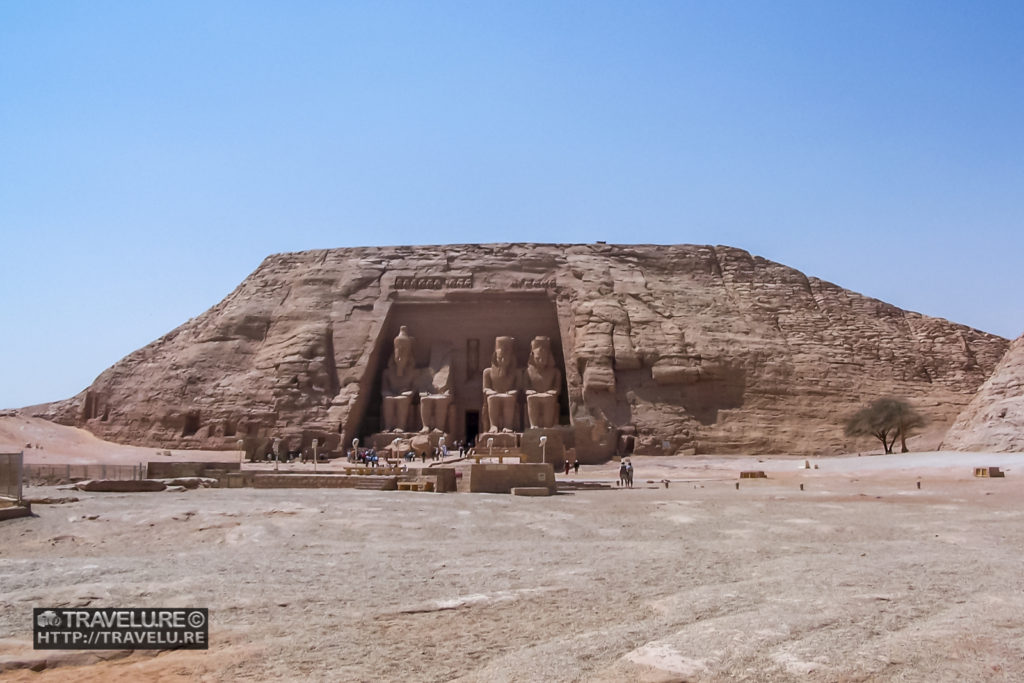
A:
(488, 478)
(993, 472)
(531, 491)
(121, 486)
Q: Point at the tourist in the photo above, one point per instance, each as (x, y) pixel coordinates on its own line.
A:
(567, 466)
(575, 466)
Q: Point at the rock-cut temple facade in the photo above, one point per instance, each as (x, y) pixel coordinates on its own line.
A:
(603, 348)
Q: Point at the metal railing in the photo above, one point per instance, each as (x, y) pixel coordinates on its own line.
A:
(42, 475)
(11, 475)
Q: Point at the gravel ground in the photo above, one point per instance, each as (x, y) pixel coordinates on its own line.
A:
(860, 576)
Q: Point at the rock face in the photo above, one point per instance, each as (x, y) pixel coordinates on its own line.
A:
(663, 349)
(994, 419)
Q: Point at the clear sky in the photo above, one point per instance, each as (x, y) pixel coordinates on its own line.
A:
(153, 153)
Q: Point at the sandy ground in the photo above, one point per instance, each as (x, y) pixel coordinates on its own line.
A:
(860, 576)
(46, 443)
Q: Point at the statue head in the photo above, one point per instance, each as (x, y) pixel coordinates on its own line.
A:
(402, 356)
(504, 352)
(540, 352)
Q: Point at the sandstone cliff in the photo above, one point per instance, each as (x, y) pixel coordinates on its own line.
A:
(994, 419)
(689, 348)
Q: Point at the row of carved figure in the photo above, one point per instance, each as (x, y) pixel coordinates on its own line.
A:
(503, 382)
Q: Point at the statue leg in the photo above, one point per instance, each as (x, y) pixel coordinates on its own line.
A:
(494, 412)
(533, 410)
(508, 406)
(549, 405)
(440, 420)
(402, 412)
(426, 414)
(434, 412)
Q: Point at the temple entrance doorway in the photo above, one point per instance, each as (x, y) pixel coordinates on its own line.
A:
(472, 426)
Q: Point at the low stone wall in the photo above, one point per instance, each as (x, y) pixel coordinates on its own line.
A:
(491, 478)
(15, 511)
(121, 485)
(443, 477)
(322, 481)
(171, 470)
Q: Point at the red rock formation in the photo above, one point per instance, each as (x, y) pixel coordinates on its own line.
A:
(994, 419)
(686, 348)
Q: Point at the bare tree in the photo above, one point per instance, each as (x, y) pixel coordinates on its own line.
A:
(886, 419)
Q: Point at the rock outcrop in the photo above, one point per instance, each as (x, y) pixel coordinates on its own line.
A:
(665, 349)
(994, 419)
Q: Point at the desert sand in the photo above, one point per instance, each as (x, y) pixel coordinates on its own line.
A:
(859, 576)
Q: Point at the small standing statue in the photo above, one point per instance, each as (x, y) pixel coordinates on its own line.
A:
(399, 383)
(501, 386)
(543, 384)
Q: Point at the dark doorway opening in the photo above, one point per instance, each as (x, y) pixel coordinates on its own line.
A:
(191, 424)
(472, 426)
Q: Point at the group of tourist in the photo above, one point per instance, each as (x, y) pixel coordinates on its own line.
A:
(626, 473)
(364, 456)
(574, 466)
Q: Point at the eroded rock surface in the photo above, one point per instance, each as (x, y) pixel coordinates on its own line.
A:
(682, 348)
(994, 419)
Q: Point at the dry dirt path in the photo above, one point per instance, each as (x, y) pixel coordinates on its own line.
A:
(861, 576)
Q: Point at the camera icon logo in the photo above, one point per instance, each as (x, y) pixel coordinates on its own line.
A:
(48, 618)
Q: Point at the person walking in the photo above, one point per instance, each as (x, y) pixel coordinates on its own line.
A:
(575, 466)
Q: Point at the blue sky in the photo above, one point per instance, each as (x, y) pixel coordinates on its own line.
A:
(152, 154)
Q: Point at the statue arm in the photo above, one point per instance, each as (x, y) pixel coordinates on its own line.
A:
(557, 380)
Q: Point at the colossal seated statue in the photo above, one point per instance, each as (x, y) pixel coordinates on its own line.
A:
(543, 385)
(399, 383)
(436, 390)
(501, 386)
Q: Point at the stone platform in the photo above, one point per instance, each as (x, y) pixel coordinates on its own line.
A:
(492, 478)
(501, 440)
(410, 440)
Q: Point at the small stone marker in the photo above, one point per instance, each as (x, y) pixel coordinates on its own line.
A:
(531, 491)
(988, 472)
